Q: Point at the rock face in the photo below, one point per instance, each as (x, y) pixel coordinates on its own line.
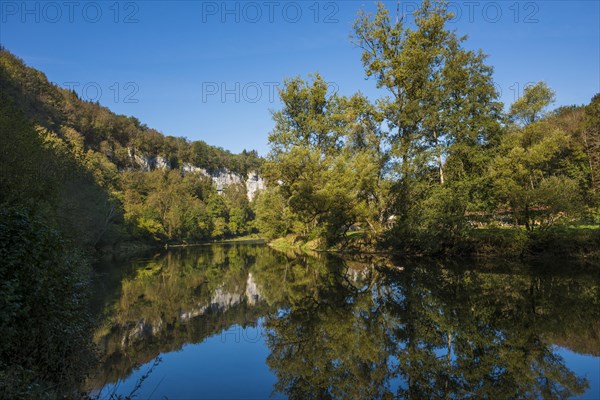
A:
(254, 184)
(147, 162)
(189, 168)
(221, 177)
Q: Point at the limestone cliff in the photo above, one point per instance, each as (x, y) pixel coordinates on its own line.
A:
(221, 177)
(147, 162)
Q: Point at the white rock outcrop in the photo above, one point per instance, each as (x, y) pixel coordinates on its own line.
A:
(222, 177)
(254, 184)
(148, 162)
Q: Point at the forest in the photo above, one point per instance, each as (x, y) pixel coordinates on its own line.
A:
(69, 193)
(436, 166)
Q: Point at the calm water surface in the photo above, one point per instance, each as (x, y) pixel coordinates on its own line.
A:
(246, 322)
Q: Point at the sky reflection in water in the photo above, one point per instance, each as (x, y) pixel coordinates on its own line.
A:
(246, 322)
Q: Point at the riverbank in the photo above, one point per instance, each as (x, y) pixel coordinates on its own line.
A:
(133, 247)
(579, 242)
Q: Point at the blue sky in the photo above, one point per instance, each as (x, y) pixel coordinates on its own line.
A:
(207, 69)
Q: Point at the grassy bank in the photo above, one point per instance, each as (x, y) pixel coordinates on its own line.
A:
(296, 244)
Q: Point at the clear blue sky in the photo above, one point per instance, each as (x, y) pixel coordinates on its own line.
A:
(175, 58)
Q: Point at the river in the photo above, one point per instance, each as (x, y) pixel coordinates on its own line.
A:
(246, 322)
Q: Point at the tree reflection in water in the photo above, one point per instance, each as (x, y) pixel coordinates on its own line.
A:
(339, 329)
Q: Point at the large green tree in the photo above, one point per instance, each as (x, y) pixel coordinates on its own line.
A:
(328, 158)
(442, 110)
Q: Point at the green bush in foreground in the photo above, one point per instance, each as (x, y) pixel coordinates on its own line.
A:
(41, 280)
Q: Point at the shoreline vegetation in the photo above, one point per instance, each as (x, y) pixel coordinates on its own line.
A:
(344, 173)
(437, 167)
(581, 243)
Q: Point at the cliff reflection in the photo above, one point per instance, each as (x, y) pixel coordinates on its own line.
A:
(176, 299)
(337, 329)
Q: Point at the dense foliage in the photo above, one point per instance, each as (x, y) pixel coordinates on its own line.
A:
(433, 165)
(140, 183)
(73, 182)
(167, 206)
(424, 166)
(44, 322)
(45, 327)
(98, 129)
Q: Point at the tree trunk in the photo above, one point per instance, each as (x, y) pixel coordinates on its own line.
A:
(439, 157)
(441, 166)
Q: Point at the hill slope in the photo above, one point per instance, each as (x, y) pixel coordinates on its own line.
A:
(153, 186)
